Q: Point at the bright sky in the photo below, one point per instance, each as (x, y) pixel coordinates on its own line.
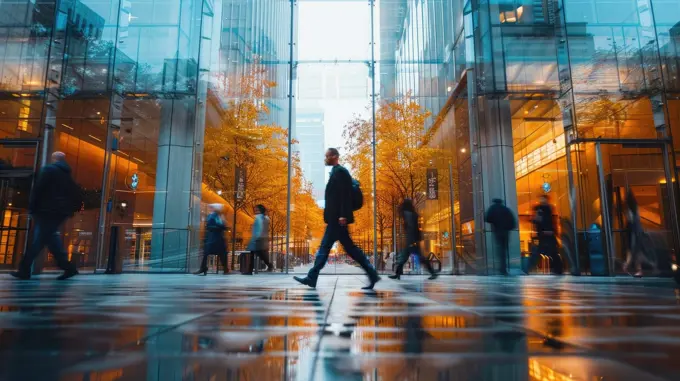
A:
(324, 36)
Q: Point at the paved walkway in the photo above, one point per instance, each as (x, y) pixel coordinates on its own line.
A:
(266, 327)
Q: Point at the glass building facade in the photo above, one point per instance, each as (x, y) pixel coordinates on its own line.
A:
(165, 106)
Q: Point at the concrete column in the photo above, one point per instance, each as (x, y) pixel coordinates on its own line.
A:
(172, 200)
(496, 168)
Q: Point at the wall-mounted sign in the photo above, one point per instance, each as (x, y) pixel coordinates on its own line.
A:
(133, 182)
(432, 184)
(546, 187)
(240, 177)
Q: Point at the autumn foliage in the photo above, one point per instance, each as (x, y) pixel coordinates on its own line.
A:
(402, 159)
(242, 140)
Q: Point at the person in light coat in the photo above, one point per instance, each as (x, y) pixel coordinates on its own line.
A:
(259, 241)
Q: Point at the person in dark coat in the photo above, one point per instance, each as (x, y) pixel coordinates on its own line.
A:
(638, 251)
(409, 216)
(52, 201)
(544, 225)
(259, 240)
(338, 215)
(214, 243)
(502, 221)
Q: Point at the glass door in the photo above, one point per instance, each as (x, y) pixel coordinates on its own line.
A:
(640, 171)
(18, 160)
(638, 168)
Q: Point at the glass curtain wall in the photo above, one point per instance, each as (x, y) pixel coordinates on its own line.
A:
(166, 106)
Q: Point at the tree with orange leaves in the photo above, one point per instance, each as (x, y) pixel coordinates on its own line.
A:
(242, 140)
(402, 158)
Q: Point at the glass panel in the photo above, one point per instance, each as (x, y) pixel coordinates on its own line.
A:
(640, 171)
(81, 135)
(333, 95)
(540, 169)
(245, 158)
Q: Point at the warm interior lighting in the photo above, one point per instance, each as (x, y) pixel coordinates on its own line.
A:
(463, 150)
(138, 159)
(123, 153)
(520, 11)
(95, 138)
(674, 267)
(547, 153)
(24, 113)
(67, 126)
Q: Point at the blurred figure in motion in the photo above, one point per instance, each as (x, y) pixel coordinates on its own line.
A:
(502, 222)
(55, 198)
(639, 249)
(214, 242)
(568, 238)
(259, 240)
(544, 225)
(338, 215)
(409, 216)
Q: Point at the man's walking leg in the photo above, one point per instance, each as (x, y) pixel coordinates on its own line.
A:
(36, 246)
(264, 257)
(60, 255)
(358, 256)
(502, 251)
(399, 259)
(329, 238)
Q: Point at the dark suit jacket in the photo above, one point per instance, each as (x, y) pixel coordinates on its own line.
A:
(52, 192)
(413, 234)
(339, 196)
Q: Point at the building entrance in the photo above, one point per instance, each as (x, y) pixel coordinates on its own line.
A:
(18, 162)
(607, 173)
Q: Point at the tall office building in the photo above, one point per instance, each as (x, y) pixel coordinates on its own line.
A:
(309, 133)
(576, 99)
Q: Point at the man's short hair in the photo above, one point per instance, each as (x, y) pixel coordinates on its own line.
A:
(334, 151)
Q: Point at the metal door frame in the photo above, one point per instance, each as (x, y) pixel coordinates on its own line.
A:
(662, 146)
(19, 173)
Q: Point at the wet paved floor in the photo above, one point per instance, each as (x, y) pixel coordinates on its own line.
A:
(266, 327)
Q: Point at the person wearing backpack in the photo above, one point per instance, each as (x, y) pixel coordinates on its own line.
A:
(55, 197)
(343, 196)
(502, 221)
(408, 213)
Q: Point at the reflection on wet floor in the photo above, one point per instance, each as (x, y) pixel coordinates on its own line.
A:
(174, 327)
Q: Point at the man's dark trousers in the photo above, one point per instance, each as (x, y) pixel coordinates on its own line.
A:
(336, 232)
(502, 240)
(46, 233)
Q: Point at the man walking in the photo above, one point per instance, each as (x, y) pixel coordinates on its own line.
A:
(337, 215)
(544, 224)
(53, 200)
(502, 221)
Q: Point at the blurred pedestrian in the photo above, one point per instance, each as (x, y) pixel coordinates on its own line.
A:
(55, 198)
(544, 225)
(638, 251)
(259, 240)
(409, 216)
(214, 242)
(502, 221)
(338, 215)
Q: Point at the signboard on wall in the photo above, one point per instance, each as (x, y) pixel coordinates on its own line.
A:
(432, 184)
(240, 183)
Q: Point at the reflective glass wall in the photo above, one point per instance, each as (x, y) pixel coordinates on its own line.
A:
(166, 106)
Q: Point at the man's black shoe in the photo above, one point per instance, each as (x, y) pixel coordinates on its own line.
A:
(67, 274)
(372, 284)
(20, 275)
(306, 281)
